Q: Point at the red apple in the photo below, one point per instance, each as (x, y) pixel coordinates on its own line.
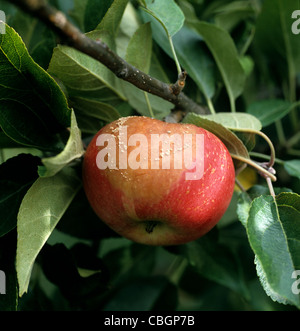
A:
(158, 183)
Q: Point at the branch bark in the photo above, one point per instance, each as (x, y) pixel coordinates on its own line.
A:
(98, 50)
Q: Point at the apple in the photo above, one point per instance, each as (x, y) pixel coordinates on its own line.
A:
(158, 183)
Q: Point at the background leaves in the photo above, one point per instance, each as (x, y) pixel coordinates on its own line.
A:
(271, 231)
(16, 176)
(239, 55)
(41, 209)
(224, 52)
(33, 108)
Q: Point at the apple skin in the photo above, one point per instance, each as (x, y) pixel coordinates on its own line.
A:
(159, 206)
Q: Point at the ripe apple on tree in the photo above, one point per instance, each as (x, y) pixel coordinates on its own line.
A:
(158, 183)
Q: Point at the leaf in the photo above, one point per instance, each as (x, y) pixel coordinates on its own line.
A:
(62, 267)
(215, 261)
(270, 111)
(128, 259)
(293, 167)
(241, 123)
(168, 13)
(231, 141)
(128, 26)
(38, 38)
(6, 142)
(80, 221)
(148, 293)
(84, 76)
(40, 211)
(91, 21)
(16, 176)
(107, 29)
(91, 114)
(236, 121)
(136, 97)
(89, 13)
(139, 49)
(73, 150)
(228, 16)
(191, 52)
(245, 199)
(33, 109)
(274, 35)
(225, 54)
(273, 233)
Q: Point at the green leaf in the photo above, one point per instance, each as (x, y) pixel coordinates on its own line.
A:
(168, 13)
(236, 121)
(89, 13)
(215, 261)
(91, 114)
(191, 52)
(6, 142)
(245, 199)
(125, 258)
(225, 54)
(293, 167)
(80, 221)
(231, 141)
(270, 111)
(33, 109)
(16, 176)
(73, 150)
(274, 35)
(107, 29)
(242, 124)
(38, 38)
(96, 110)
(63, 267)
(136, 97)
(91, 21)
(273, 233)
(228, 16)
(139, 49)
(128, 26)
(84, 76)
(144, 294)
(40, 211)
(243, 207)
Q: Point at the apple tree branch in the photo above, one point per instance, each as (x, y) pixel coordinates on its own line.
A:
(98, 50)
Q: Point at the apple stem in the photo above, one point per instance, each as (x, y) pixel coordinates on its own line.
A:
(270, 185)
(263, 171)
(271, 146)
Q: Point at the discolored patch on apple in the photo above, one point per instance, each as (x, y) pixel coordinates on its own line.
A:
(155, 172)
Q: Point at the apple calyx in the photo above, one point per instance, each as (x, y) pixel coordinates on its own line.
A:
(150, 225)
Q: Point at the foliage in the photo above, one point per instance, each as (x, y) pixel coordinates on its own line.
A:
(243, 63)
